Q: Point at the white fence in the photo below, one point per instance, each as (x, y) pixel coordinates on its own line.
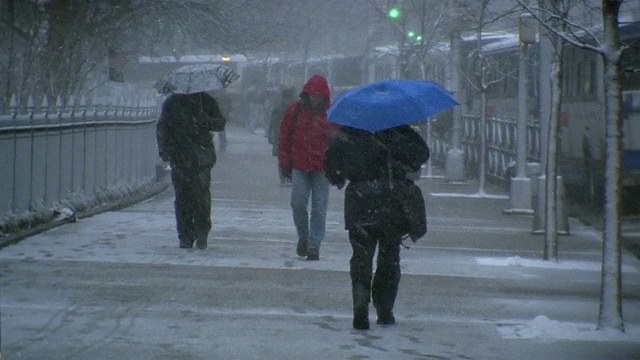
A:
(73, 155)
(500, 135)
(501, 141)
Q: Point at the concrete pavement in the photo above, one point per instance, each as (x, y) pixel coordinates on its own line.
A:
(115, 285)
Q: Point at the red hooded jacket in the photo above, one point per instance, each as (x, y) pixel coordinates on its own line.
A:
(302, 144)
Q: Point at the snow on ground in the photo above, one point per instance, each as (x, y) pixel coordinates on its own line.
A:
(517, 261)
(542, 327)
(477, 195)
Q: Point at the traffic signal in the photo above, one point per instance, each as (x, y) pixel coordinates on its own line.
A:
(412, 35)
(394, 13)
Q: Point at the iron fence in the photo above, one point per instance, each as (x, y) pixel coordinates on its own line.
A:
(500, 156)
(57, 155)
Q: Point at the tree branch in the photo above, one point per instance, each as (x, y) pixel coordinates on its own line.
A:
(570, 39)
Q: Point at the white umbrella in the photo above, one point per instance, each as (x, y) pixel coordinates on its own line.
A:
(191, 79)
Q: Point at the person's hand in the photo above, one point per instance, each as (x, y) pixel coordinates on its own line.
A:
(202, 117)
(165, 157)
(211, 123)
(336, 178)
(203, 120)
(286, 172)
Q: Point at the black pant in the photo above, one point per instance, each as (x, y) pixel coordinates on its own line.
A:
(384, 287)
(192, 187)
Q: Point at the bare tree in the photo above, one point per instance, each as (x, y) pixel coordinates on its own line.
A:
(607, 44)
(559, 9)
(52, 47)
(553, 133)
(486, 71)
(417, 30)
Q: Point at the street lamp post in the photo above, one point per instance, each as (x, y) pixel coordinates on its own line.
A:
(520, 195)
(454, 163)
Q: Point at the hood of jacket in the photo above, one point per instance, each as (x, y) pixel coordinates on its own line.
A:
(317, 84)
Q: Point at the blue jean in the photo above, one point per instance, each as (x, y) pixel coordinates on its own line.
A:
(316, 184)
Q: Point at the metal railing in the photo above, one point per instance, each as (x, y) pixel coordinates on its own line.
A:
(500, 135)
(74, 155)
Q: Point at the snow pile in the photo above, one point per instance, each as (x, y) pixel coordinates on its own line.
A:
(517, 261)
(544, 328)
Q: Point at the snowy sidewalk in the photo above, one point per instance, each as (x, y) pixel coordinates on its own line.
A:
(115, 285)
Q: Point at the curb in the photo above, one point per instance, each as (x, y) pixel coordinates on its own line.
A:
(18, 236)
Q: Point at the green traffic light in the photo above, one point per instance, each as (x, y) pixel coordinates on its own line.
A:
(419, 38)
(411, 34)
(394, 13)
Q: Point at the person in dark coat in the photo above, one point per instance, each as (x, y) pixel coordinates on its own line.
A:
(376, 166)
(184, 140)
(273, 134)
(255, 97)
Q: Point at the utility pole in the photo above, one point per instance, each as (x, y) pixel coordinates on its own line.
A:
(520, 194)
(454, 164)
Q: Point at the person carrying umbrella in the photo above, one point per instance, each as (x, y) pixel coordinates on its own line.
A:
(189, 115)
(184, 140)
(375, 151)
(303, 139)
(376, 165)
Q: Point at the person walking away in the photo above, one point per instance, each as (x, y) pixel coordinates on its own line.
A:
(376, 168)
(255, 99)
(184, 140)
(271, 102)
(303, 140)
(286, 97)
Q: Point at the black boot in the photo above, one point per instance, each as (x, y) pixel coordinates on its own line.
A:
(186, 243)
(301, 248)
(360, 307)
(313, 254)
(201, 241)
(385, 316)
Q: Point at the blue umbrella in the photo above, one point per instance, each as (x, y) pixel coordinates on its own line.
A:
(389, 103)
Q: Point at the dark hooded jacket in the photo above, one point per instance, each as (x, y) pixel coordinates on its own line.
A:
(184, 129)
(375, 165)
(303, 141)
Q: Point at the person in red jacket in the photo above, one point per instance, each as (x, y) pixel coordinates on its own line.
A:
(303, 141)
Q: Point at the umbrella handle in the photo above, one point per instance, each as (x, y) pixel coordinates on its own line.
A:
(389, 170)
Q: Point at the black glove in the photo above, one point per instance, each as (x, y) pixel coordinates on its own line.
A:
(210, 123)
(336, 178)
(286, 172)
(164, 156)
